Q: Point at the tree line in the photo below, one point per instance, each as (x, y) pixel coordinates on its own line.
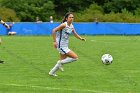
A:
(84, 10)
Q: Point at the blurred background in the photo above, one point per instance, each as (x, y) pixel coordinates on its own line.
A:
(84, 10)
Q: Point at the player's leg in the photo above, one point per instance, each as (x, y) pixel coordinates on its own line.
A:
(54, 69)
(62, 56)
(71, 56)
(11, 33)
(66, 56)
(58, 65)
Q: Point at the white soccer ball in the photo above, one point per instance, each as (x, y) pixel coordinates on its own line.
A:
(107, 59)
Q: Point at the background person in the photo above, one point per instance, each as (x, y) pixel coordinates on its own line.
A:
(2, 22)
(38, 20)
(51, 19)
(7, 26)
(9, 30)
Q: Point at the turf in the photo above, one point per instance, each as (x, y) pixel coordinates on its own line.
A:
(28, 60)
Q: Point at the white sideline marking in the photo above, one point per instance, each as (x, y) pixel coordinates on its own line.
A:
(100, 41)
(53, 88)
(93, 40)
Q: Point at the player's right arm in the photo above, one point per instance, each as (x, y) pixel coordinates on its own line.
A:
(59, 28)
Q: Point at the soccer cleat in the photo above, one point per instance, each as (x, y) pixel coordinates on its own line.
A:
(1, 61)
(52, 74)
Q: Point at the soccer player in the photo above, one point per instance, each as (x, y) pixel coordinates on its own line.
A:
(60, 36)
(9, 30)
(7, 26)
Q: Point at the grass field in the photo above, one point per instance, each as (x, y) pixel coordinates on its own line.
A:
(28, 60)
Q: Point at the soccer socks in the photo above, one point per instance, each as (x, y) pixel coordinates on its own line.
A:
(65, 61)
(68, 60)
(59, 65)
(55, 68)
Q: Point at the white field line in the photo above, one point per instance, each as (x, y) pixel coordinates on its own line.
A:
(101, 41)
(54, 88)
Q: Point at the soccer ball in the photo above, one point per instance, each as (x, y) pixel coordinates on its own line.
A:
(107, 59)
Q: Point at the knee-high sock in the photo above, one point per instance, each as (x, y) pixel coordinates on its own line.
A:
(68, 60)
(55, 68)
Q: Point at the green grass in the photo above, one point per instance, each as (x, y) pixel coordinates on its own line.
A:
(28, 60)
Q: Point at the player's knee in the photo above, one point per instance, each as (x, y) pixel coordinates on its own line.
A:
(75, 59)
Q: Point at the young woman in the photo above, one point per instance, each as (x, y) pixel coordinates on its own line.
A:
(7, 26)
(60, 36)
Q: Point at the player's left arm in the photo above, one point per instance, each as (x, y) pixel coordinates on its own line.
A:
(6, 25)
(78, 36)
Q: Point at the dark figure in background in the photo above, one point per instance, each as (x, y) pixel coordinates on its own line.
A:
(38, 20)
(9, 30)
(7, 26)
(51, 19)
(96, 20)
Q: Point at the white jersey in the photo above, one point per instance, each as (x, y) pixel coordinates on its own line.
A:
(63, 36)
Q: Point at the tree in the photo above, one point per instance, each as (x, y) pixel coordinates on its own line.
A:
(29, 10)
(8, 15)
(90, 14)
(117, 5)
(63, 6)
